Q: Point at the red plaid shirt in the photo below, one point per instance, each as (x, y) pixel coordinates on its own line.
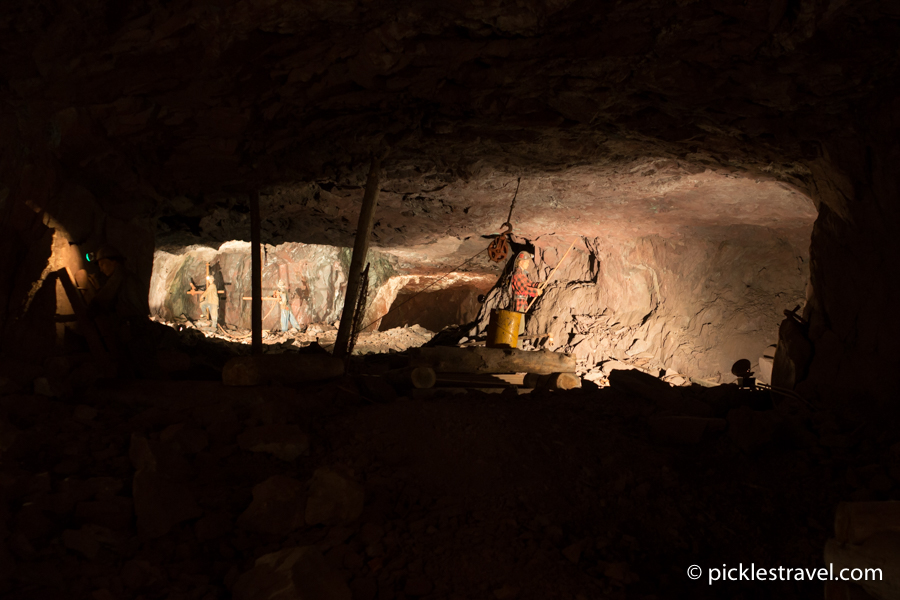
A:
(522, 289)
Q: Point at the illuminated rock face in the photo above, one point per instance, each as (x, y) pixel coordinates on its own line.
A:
(695, 303)
(316, 277)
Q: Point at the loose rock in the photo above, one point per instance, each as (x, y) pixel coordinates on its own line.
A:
(299, 573)
(333, 498)
(278, 506)
(286, 442)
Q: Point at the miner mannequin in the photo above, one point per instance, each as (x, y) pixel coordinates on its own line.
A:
(209, 301)
(120, 294)
(521, 286)
(119, 308)
(288, 320)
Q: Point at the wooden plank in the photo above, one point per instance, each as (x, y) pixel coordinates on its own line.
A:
(477, 380)
(85, 324)
(553, 381)
(255, 277)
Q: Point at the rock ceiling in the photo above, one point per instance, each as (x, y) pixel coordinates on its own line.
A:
(649, 114)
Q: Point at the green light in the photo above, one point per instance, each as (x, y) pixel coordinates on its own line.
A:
(88, 256)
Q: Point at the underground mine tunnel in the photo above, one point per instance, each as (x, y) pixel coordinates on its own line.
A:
(688, 371)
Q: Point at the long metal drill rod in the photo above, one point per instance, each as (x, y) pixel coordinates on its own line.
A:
(552, 273)
(360, 249)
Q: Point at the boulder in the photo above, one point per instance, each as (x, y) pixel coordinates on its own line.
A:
(299, 573)
(188, 439)
(84, 414)
(666, 397)
(213, 526)
(286, 442)
(278, 506)
(334, 498)
(638, 383)
(113, 512)
(418, 586)
(161, 499)
(81, 541)
(614, 365)
(8, 435)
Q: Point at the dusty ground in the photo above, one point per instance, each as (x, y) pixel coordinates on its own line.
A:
(466, 495)
(397, 339)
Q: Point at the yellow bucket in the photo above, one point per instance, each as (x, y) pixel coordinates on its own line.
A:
(503, 329)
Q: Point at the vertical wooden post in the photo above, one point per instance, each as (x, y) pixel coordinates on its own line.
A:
(255, 276)
(360, 249)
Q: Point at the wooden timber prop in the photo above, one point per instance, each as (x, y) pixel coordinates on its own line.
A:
(553, 381)
(360, 250)
(867, 536)
(256, 317)
(451, 359)
(87, 325)
(283, 368)
(361, 302)
(478, 381)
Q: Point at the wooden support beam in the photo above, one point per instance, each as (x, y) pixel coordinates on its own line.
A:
(86, 325)
(451, 359)
(360, 249)
(553, 381)
(255, 276)
(478, 380)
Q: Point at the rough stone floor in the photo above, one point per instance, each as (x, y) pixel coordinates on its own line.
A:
(173, 490)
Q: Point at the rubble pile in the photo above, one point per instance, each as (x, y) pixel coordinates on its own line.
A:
(192, 489)
(397, 339)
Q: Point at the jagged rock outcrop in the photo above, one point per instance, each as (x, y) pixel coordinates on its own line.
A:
(696, 302)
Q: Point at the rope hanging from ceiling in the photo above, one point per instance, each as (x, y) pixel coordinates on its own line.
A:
(499, 248)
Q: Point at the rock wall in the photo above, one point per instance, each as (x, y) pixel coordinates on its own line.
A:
(854, 251)
(695, 303)
(316, 276)
(437, 309)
